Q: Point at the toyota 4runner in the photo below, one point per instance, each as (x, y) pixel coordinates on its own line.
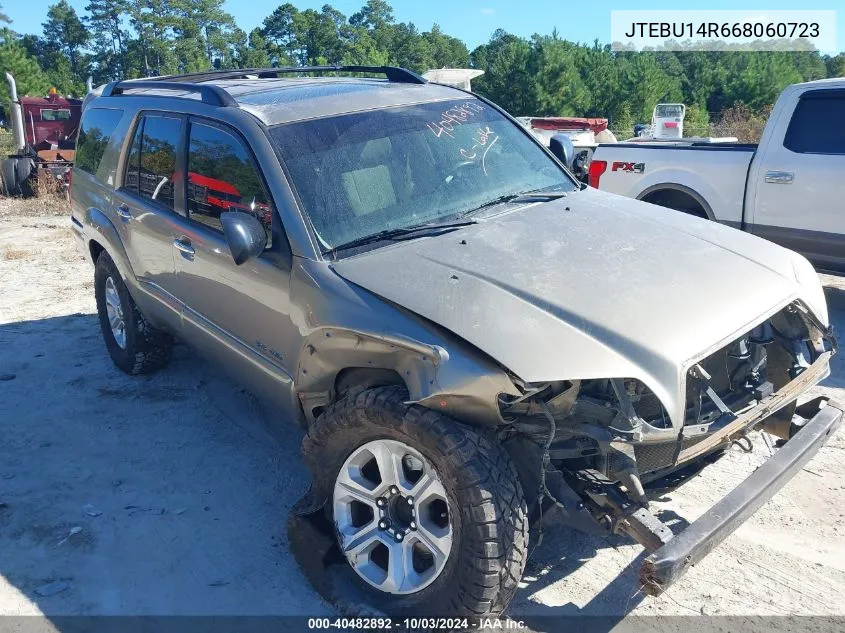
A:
(472, 340)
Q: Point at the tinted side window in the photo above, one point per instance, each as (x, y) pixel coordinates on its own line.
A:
(130, 177)
(94, 134)
(816, 125)
(151, 164)
(158, 159)
(222, 177)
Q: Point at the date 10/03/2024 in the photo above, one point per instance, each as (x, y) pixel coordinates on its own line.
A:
(418, 623)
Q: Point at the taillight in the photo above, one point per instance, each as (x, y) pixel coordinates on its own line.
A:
(597, 168)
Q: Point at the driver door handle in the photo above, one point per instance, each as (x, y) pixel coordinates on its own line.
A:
(184, 246)
(780, 177)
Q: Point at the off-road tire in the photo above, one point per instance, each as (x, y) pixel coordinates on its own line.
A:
(488, 510)
(147, 348)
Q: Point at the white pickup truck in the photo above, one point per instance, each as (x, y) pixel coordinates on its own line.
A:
(789, 189)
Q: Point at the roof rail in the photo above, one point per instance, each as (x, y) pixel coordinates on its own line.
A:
(393, 73)
(212, 95)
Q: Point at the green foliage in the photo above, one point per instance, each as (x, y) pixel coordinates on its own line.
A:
(7, 143)
(697, 121)
(623, 122)
(509, 64)
(66, 34)
(15, 59)
(547, 76)
(742, 122)
(835, 66)
(543, 75)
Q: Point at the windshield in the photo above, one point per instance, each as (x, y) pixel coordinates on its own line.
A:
(669, 110)
(358, 174)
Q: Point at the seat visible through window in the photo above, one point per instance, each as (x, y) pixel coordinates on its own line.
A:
(370, 188)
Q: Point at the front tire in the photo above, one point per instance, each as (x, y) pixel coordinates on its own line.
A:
(409, 482)
(134, 345)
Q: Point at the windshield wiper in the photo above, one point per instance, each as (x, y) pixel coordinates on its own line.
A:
(524, 196)
(405, 233)
(539, 195)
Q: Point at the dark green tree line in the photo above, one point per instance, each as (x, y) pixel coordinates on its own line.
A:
(541, 75)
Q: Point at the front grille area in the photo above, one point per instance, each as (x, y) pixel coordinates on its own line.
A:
(660, 455)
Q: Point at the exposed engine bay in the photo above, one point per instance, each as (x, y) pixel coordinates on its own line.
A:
(603, 442)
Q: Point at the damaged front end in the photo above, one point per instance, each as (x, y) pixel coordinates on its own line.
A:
(592, 448)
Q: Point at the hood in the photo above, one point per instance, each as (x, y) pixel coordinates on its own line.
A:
(589, 286)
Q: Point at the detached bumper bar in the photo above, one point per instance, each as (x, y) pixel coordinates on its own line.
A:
(671, 561)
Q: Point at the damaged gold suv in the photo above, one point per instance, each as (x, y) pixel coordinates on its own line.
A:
(471, 338)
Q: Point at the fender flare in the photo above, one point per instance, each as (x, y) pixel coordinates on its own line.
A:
(107, 237)
(454, 383)
(328, 351)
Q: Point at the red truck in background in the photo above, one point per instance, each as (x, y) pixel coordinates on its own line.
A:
(217, 196)
(44, 134)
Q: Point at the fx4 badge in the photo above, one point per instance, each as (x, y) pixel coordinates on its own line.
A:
(630, 168)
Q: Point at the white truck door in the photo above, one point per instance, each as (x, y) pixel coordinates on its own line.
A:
(797, 186)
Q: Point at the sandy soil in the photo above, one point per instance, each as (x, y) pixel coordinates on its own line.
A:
(190, 480)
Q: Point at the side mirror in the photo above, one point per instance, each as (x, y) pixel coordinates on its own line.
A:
(562, 147)
(244, 235)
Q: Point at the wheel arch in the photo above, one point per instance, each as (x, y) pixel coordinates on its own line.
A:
(680, 193)
(336, 361)
(103, 236)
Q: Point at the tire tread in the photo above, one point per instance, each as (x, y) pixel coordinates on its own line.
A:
(494, 516)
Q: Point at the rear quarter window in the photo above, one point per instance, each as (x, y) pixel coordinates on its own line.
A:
(95, 131)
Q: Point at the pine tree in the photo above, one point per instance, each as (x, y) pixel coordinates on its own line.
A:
(14, 59)
(64, 30)
(108, 34)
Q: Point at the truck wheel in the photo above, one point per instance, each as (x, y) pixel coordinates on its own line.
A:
(9, 176)
(134, 345)
(428, 512)
(25, 168)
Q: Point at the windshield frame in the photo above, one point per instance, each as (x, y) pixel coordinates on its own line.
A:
(328, 254)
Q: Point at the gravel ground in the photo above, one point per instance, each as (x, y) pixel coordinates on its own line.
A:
(169, 494)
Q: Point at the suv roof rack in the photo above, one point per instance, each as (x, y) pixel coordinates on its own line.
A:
(217, 96)
(212, 95)
(393, 73)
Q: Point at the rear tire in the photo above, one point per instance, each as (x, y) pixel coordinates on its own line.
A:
(9, 177)
(134, 345)
(26, 169)
(487, 522)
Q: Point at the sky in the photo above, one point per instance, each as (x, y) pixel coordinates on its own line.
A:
(473, 21)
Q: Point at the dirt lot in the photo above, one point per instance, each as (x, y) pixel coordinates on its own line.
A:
(190, 482)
